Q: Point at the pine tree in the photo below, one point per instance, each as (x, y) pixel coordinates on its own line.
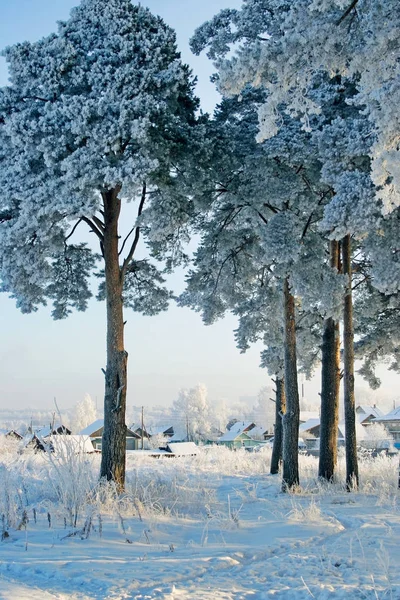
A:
(96, 115)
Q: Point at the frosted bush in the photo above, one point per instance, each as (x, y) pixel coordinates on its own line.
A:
(219, 459)
(310, 513)
(72, 476)
(9, 446)
(172, 491)
(379, 475)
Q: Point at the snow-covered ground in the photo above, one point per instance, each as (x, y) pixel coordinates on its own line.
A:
(214, 526)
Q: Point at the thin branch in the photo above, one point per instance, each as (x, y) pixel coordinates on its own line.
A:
(310, 218)
(137, 235)
(93, 228)
(126, 239)
(230, 218)
(271, 208)
(263, 219)
(366, 278)
(73, 230)
(125, 145)
(99, 223)
(232, 254)
(40, 98)
(347, 12)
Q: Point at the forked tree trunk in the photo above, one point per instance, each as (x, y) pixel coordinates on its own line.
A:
(114, 435)
(291, 418)
(330, 380)
(348, 358)
(280, 409)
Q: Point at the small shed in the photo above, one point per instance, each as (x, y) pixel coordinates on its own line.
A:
(183, 449)
(95, 433)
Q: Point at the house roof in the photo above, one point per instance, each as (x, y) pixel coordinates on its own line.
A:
(159, 429)
(258, 430)
(364, 412)
(177, 437)
(394, 415)
(93, 427)
(44, 432)
(98, 425)
(14, 433)
(309, 424)
(231, 436)
(242, 426)
(183, 448)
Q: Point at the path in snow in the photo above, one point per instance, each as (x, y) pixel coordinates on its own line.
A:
(272, 546)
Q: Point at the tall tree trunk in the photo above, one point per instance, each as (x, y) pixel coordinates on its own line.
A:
(280, 409)
(291, 418)
(348, 357)
(330, 380)
(114, 435)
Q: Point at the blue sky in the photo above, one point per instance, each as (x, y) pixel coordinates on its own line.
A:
(41, 359)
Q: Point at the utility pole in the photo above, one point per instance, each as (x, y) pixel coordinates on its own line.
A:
(142, 428)
(187, 428)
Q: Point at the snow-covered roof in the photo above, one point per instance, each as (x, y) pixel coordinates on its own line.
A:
(241, 426)
(177, 437)
(309, 424)
(257, 431)
(394, 415)
(99, 424)
(183, 449)
(95, 426)
(230, 436)
(44, 432)
(159, 429)
(367, 411)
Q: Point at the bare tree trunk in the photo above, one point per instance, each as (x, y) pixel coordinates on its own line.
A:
(348, 356)
(330, 380)
(280, 409)
(114, 435)
(291, 418)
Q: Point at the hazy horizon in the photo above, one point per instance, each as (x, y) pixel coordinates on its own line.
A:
(42, 359)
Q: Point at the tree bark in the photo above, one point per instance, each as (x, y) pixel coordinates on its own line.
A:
(330, 380)
(348, 357)
(291, 418)
(114, 435)
(280, 409)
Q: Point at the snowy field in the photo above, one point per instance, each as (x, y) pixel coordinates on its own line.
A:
(213, 526)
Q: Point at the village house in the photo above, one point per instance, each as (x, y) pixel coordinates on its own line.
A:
(392, 423)
(368, 414)
(95, 433)
(233, 440)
